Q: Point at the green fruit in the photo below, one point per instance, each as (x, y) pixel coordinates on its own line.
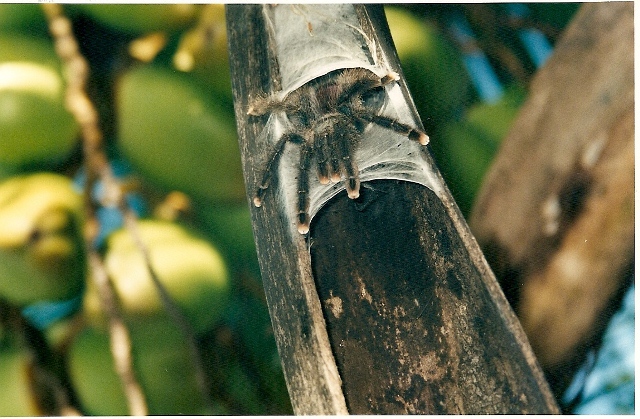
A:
(162, 365)
(8, 171)
(230, 227)
(465, 149)
(177, 136)
(22, 17)
(93, 376)
(142, 18)
(494, 120)
(190, 268)
(41, 247)
(16, 397)
(433, 68)
(35, 127)
(464, 157)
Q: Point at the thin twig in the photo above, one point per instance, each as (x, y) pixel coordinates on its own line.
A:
(175, 313)
(51, 382)
(119, 337)
(77, 101)
(98, 168)
(43, 378)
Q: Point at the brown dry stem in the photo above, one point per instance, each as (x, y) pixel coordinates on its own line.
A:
(85, 113)
(76, 70)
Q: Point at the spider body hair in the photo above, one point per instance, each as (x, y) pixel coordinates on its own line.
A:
(328, 116)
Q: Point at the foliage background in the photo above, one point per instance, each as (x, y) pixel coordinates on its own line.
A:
(159, 79)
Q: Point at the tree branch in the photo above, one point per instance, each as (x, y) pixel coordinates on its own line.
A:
(388, 305)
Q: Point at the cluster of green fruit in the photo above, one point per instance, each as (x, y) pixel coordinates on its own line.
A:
(173, 124)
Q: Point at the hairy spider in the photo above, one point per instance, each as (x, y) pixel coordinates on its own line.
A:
(327, 117)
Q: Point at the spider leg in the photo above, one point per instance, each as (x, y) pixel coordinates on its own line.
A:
(389, 78)
(394, 125)
(322, 159)
(334, 156)
(303, 188)
(271, 165)
(262, 105)
(352, 180)
(361, 80)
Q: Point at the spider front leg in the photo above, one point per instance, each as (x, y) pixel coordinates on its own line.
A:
(322, 157)
(352, 180)
(262, 105)
(334, 146)
(361, 80)
(394, 125)
(272, 164)
(303, 189)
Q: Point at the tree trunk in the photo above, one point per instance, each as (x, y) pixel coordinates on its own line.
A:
(555, 215)
(387, 305)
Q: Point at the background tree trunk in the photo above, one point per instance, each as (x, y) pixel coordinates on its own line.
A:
(555, 215)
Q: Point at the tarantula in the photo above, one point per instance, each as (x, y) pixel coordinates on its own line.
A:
(327, 117)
